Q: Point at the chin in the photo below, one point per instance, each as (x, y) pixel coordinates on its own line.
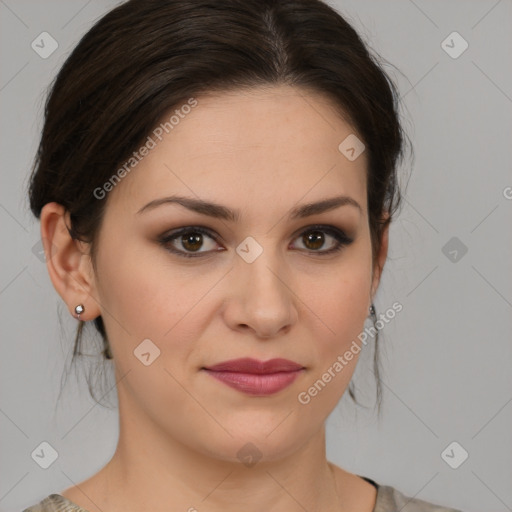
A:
(252, 443)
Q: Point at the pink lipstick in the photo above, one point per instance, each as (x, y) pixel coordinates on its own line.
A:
(255, 377)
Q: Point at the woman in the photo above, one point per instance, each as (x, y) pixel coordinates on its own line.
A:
(215, 183)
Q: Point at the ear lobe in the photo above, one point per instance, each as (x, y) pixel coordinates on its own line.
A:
(67, 261)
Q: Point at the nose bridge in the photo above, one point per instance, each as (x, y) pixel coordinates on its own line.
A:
(260, 276)
(260, 267)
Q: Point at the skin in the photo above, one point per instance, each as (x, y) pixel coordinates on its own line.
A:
(262, 151)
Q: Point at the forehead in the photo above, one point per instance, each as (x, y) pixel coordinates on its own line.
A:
(271, 144)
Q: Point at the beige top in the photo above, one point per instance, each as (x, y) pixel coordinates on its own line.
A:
(388, 500)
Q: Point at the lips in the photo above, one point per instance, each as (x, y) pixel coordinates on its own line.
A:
(248, 365)
(256, 377)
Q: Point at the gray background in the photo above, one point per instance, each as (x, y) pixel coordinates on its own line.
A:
(446, 356)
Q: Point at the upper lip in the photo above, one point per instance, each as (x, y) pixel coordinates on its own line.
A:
(248, 365)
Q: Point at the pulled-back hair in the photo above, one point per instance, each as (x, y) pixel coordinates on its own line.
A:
(146, 57)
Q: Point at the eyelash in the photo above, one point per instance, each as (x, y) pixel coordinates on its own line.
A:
(341, 238)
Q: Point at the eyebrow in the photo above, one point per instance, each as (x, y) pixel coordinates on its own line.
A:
(223, 212)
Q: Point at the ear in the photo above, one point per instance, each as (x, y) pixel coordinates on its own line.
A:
(68, 262)
(380, 259)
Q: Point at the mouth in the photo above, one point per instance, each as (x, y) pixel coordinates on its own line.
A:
(253, 377)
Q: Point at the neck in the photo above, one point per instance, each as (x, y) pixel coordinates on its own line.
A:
(148, 475)
(154, 469)
(157, 471)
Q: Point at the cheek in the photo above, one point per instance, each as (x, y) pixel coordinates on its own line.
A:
(342, 301)
(142, 297)
(342, 309)
(346, 308)
(142, 292)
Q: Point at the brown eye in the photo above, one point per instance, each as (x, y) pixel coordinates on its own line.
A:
(313, 239)
(187, 242)
(317, 236)
(192, 242)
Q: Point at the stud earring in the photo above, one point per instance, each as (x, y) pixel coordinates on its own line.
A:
(79, 310)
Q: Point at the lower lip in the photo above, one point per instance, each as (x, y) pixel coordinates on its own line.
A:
(256, 384)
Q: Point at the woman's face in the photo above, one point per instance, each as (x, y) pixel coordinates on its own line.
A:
(262, 286)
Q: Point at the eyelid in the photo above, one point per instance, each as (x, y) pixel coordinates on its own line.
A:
(327, 228)
(167, 237)
(338, 234)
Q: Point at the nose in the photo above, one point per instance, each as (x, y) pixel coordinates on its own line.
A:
(261, 297)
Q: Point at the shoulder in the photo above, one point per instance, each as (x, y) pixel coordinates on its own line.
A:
(55, 503)
(390, 499)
